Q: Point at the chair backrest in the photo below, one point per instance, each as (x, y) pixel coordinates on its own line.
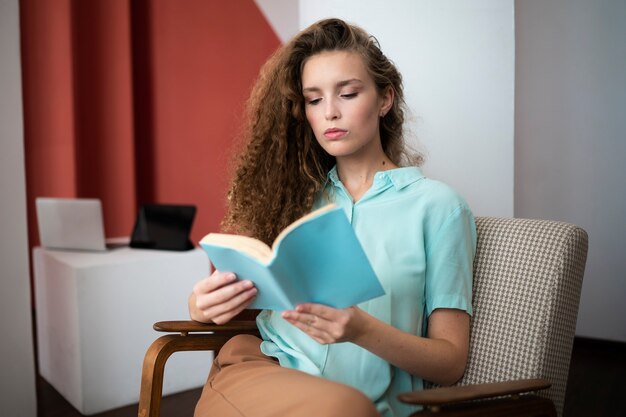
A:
(527, 280)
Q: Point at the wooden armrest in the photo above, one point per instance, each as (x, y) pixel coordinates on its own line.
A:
(450, 395)
(190, 326)
(211, 337)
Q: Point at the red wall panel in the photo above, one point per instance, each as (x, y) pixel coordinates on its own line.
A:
(137, 101)
(46, 39)
(206, 56)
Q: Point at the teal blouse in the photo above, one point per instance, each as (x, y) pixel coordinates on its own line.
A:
(420, 238)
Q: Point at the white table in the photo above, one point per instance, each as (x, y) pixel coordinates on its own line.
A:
(94, 321)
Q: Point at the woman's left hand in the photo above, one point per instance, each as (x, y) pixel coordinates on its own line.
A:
(326, 324)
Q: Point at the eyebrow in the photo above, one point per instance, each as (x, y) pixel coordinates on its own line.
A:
(338, 85)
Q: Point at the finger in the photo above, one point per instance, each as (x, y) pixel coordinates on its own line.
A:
(225, 298)
(241, 299)
(315, 333)
(319, 310)
(213, 282)
(222, 294)
(313, 319)
(306, 319)
(302, 323)
(225, 317)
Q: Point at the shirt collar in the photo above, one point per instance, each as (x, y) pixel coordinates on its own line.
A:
(398, 177)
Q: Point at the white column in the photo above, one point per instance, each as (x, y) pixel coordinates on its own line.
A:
(17, 361)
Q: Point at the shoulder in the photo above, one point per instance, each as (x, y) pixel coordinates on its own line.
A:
(440, 194)
(442, 207)
(433, 195)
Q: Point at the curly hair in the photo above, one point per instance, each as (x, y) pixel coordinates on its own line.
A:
(282, 167)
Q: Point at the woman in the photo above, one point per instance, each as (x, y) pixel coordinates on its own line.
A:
(325, 125)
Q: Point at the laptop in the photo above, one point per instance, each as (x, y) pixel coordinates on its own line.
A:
(71, 224)
(164, 227)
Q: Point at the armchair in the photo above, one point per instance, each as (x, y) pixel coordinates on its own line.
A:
(527, 281)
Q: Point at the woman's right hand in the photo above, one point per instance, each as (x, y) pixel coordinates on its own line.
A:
(220, 297)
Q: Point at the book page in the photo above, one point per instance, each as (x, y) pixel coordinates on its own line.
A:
(301, 220)
(249, 245)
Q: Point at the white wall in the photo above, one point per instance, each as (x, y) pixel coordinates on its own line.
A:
(17, 363)
(570, 135)
(283, 15)
(457, 60)
(522, 109)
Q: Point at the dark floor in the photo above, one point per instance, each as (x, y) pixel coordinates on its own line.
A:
(51, 404)
(596, 388)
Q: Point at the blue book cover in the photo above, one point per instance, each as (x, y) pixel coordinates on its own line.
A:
(317, 259)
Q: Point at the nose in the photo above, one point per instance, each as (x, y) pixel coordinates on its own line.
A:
(331, 112)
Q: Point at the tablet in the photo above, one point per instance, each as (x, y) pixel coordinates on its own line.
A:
(164, 227)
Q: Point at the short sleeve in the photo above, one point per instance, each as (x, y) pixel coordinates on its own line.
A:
(449, 263)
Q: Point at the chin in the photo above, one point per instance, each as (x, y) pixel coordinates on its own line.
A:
(339, 150)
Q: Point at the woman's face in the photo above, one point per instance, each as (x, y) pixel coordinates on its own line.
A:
(342, 104)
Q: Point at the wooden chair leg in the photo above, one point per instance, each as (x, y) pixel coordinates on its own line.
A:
(154, 365)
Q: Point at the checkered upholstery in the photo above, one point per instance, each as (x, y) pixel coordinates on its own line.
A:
(527, 280)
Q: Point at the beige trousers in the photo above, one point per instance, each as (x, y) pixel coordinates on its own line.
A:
(245, 383)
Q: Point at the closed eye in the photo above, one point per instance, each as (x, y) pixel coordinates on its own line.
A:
(313, 101)
(349, 95)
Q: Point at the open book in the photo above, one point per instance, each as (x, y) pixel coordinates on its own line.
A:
(316, 259)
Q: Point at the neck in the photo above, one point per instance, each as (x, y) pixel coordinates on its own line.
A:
(357, 176)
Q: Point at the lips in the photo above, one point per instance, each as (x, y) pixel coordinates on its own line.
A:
(334, 133)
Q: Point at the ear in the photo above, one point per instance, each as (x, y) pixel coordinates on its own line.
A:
(386, 101)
